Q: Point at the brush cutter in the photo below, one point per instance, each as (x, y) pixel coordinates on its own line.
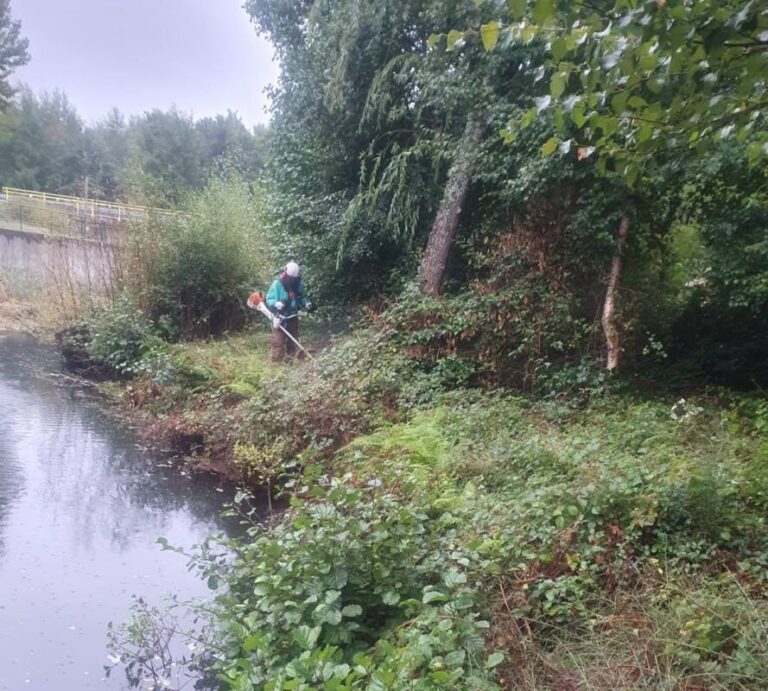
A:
(256, 302)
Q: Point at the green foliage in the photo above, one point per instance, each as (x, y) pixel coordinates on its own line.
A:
(13, 51)
(715, 627)
(522, 334)
(532, 226)
(365, 104)
(192, 274)
(119, 336)
(355, 385)
(41, 145)
(728, 201)
(156, 158)
(592, 503)
(639, 81)
(489, 507)
(457, 507)
(349, 591)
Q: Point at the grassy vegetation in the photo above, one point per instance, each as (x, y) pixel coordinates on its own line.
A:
(462, 538)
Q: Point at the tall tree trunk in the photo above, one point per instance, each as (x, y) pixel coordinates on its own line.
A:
(432, 267)
(610, 329)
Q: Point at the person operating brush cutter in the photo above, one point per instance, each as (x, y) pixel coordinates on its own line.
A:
(285, 298)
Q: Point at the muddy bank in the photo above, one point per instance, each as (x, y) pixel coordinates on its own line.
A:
(17, 315)
(192, 410)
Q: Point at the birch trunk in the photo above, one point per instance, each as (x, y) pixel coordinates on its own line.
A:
(432, 267)
(610, 329)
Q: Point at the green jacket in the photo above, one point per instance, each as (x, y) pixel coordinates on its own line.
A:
(293, 302)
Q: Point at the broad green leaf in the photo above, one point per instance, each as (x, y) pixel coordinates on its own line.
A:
(558, 48)
(619, 102)
(543, 11)
(528, 33)
(630, 173)
(549, 146)
(352, 611)
(494, 659)
(529, 117)
(305, 636)
(455, 658)
(577, 115)
(250, 643)
(654, 85)
(649, 62)
(341, 671)
(518, 7)
(391, 598)
(508, 136)
(454, 37)
(489, 34)
(433, 596)
(454, 577)
(557, 85)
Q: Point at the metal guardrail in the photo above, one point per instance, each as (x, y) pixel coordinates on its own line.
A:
(57, 214)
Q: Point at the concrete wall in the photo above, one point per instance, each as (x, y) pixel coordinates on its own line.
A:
(55, 262)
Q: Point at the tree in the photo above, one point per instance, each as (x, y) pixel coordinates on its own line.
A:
(647, 80)
(43, 144)
(106, 156)
(165, 152)
(440, 240)
(367, 125)
(13, 51)
(225, 140)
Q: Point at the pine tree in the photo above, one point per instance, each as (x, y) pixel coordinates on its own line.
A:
(13, 51)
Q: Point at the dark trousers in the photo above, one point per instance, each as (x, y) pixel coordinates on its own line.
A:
(280, 346)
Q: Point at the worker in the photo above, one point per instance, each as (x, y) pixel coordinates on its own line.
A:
(285, 298)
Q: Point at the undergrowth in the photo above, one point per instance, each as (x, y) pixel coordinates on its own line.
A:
(443, 537)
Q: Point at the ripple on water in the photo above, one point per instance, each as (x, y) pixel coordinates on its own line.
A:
(80, 510)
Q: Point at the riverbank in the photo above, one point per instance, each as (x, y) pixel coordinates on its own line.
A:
(17, 315)
(28, 309)
(485, 539)
(192, 404)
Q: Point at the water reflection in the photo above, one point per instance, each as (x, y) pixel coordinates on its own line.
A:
(80, 510)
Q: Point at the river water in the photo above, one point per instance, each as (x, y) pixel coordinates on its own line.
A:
(81, 508)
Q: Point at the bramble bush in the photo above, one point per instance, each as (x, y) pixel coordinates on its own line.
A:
(351, 589)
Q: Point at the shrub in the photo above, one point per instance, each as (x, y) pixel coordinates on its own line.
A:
(353, 387)
(119, 336)
(353, 589)
(211, 261)
(518, 335)
(192, 273)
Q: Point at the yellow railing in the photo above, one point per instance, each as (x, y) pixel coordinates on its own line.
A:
(90, 207)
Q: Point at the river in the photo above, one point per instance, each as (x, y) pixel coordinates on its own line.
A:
(81, 508)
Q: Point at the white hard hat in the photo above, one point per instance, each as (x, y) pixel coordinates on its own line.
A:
(293, 269)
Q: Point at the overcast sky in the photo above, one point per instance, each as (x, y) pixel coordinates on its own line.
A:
(202, 55)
